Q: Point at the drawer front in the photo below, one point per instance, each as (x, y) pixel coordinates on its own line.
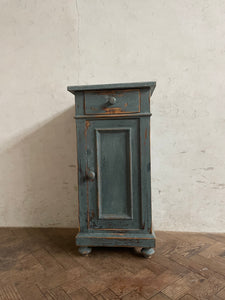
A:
(112, 102)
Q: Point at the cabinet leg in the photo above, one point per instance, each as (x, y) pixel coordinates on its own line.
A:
(147, 252)
(84, 250)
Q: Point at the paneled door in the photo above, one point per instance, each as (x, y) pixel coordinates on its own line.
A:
(113, 173)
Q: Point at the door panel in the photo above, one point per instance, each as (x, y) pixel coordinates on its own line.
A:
(114, 173)
(114, 195)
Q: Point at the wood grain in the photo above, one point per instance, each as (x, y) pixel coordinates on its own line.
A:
(45, 264)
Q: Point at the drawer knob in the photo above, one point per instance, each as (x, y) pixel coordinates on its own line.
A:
(90, 175)
(112, 100)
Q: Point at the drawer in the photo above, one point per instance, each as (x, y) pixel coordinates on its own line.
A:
(112, 102)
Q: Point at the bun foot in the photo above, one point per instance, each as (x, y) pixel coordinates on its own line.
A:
(84, 250)
(147, 252)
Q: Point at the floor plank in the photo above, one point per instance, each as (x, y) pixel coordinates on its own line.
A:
(44, 264)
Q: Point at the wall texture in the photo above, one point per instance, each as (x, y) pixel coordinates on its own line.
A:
(47, 45)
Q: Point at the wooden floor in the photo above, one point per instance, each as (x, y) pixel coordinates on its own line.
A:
(45, 264)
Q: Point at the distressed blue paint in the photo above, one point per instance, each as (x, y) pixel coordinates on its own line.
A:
(148, 84)
(116, 164)
(114, 168)
(99, 102)
(114, 173)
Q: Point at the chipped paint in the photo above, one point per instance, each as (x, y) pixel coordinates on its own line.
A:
(146, 133)
(87, 124)
(113, 110)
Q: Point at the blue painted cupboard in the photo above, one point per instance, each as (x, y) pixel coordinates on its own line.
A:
(114, 167)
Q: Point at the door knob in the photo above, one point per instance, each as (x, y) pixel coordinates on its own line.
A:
(90, 175)
(112, 100)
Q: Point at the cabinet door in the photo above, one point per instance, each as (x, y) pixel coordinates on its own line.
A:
(113, 159)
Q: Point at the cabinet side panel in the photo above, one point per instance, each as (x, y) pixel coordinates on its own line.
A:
(82, 162)
(146, 172)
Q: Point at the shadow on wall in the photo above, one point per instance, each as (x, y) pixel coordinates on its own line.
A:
(38, 177)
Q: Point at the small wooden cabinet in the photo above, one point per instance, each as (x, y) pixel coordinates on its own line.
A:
(113, 156)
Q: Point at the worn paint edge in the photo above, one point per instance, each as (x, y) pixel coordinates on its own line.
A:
(113, 116)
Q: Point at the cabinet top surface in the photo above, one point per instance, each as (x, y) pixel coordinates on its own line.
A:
(147, 84)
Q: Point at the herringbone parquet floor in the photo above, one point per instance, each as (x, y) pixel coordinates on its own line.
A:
(45, 264)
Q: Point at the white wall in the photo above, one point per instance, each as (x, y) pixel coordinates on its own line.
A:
(47, 45)
(39, 57)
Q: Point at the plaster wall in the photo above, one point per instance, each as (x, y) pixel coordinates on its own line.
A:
(47, 45)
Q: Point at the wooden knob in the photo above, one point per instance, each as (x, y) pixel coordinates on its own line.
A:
(112, 100)
(91, 175)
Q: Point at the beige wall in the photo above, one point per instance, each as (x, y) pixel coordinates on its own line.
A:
(47, 45)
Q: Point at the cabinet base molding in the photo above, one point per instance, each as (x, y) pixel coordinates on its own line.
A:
(146, 240)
